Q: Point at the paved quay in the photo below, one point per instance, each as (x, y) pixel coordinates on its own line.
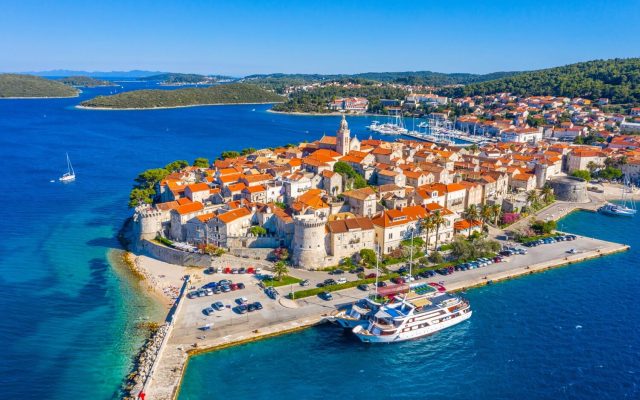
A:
(284, 316)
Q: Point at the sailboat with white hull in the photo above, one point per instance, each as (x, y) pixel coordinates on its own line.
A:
(70, 175)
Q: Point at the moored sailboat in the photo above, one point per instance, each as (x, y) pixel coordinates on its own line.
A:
(70, 175)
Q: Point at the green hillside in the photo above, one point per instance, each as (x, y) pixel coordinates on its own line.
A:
(84, 81)
(617, 80)
(235, 93)
(15, 85)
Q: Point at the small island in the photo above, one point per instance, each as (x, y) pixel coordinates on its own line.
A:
(29, 86)
(175, 79)
(85, 81)
(235, 93)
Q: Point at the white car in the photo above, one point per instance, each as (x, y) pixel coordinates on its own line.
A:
(341, 280)
(408, 278)
(258, 271)
(219, 270)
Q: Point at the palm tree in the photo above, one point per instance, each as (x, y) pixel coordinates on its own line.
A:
(471, 214)
(438, 220)
(547, 193)
(426, 224)
(496, 209)
(486, 213)
(280, 269)
(532, 197)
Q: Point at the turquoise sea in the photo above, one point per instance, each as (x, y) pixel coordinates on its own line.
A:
(68, 315)
(569, 333)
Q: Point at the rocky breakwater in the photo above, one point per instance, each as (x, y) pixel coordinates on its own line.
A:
(145, 360)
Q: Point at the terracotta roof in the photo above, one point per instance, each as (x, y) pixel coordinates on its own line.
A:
(360, 194)
(351, 224)
(236, 187)
(198, 187)
(189, 208)
(233, 215)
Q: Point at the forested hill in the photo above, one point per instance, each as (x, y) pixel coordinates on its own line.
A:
(16, 85)
(617, 79)
(235, 93)
(85, 81)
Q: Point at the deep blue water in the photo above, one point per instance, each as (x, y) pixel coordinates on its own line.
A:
(67, 317)
(569, 333)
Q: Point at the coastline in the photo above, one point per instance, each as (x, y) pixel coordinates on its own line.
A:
(81, 107)
(39, 97)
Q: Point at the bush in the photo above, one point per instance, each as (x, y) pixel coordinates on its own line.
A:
(582, 174)
(368, 256)
(435, 257)
(258, 231)
(543, 227)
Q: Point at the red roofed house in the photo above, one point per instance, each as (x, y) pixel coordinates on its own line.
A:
(179, 217)
(198, 192)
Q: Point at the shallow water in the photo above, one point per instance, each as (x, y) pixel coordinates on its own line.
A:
(568, 333)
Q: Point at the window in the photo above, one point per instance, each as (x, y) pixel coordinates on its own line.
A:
(390, 235)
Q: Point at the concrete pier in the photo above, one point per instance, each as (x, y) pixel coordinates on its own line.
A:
(284, 316)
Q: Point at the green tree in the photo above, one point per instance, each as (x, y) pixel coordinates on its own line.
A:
(496, 210)
(368, 256)
(435, 257)
(229, 154)
(486, 214)
(582, 174)
(248, 150)
(258, 231)
(201, 162)
(533, 199)
(427, 225)
(176, 166)
(438, 221)
(140, 196)
(280, 269)
(471, 214)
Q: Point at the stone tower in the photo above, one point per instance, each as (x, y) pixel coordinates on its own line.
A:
(308, 247)
(343, 138)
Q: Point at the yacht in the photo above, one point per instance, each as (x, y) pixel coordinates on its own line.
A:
(415, 315)
(357, 313)
(70, 175)
(626, 208)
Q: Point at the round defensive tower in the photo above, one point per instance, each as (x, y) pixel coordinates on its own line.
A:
(568, 188)
(308, 242)
(147, 222)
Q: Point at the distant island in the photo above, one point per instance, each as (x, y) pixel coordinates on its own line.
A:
(235, 93)
(85, 81)
(175, 79)
(29, 86)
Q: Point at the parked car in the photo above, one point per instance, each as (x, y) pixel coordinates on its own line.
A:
(242, 309)
(234, 286)
(369, 276)
(258, 271)
(258, 305)
(382, 284)
(341, 280)
(240, 285)
(209, 270)
(242, 270)
(337, 272)
(234, 270)
(242, 300)
(321, 284)
(328, 282)
(304, 282)
(218, 305)
(208, 311)
(397, 280)
(225, 288)
(363, 286)
(251, 307)
(224, 282)
(326, 296)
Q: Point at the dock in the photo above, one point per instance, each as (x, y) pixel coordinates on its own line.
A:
(285, 316)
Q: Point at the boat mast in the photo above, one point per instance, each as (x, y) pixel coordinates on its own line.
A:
(377, 257)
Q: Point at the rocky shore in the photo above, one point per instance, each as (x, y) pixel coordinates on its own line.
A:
(136, 380)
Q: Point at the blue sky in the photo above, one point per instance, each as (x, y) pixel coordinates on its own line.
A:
(245, 37)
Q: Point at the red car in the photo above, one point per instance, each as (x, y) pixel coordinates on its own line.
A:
(234, 286)
(370, 276)
(397, 280)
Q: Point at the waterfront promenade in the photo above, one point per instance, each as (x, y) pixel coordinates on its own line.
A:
(284, 316)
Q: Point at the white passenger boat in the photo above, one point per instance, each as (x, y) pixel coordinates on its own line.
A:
(414, 315)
